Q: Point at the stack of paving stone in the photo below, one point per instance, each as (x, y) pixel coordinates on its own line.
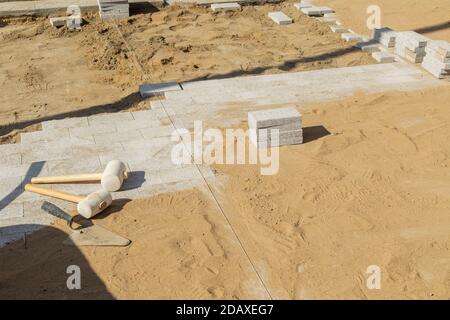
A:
(314, 11)
(351, 36)
(71, 22)
(110, 9)
(231, 6)
(411, 46)
(383, 57)
(437, 59)
(279, 18)
(385, 36)
(275, 127)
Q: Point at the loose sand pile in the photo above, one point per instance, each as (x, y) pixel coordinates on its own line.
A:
(374, 191)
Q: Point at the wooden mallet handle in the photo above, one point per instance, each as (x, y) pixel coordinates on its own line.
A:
(53, 193)
(68, 178)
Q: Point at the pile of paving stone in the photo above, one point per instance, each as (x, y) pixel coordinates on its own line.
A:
(385, 36)
(275, 127)
(411, 46)
(111, 9)
(437, 59)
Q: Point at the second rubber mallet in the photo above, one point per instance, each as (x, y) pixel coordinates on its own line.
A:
(111, 179)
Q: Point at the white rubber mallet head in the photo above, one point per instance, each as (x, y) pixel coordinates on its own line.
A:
(87, 207)
(94, 203)
(113, 175)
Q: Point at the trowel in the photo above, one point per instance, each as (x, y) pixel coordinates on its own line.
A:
(87, 233)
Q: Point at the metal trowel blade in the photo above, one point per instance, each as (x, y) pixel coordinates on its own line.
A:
(96, 236)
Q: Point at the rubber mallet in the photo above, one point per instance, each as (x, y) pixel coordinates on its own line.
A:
(87, 206)
(111, 178)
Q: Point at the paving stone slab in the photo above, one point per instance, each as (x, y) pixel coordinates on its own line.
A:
(302, 5)
(47, 135)
(65, 123)
(230, 6)
(338, 29)
(316, 11)
(272, 117)
(385, 36)
(280, 18)
(161, 131)
(141, 123)
(351, 37)
(368, 46)
(86, 151)
(74, 166)
(109, 118)
(118, 136)
(10, 159)
(152, 89)
(440, 47)
(12, 210)
(383, 57)
(49, 152)
(90, 131)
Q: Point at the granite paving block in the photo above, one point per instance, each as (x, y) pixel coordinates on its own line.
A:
(438, 70)
(280, 18)
(385, 36)
(161, 131)
(351, 37)
(97, 128)
(411, 39)
(440, 47)
(141, 123)
(158, 142)
(152, 89)
(294, 137)
(329, 21)
(109, 118)
(302, 5)
(11, 210)
(90, 150)
(269, 133)
(272, 117)
(47, 152)
(74, 166)
(123, 136)
(58, 21)
(10, 159)
(316, 11)
(368, 46)
(338, 29)
(383, 57)
(230, 6)
(46, 135)
(65, 123)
